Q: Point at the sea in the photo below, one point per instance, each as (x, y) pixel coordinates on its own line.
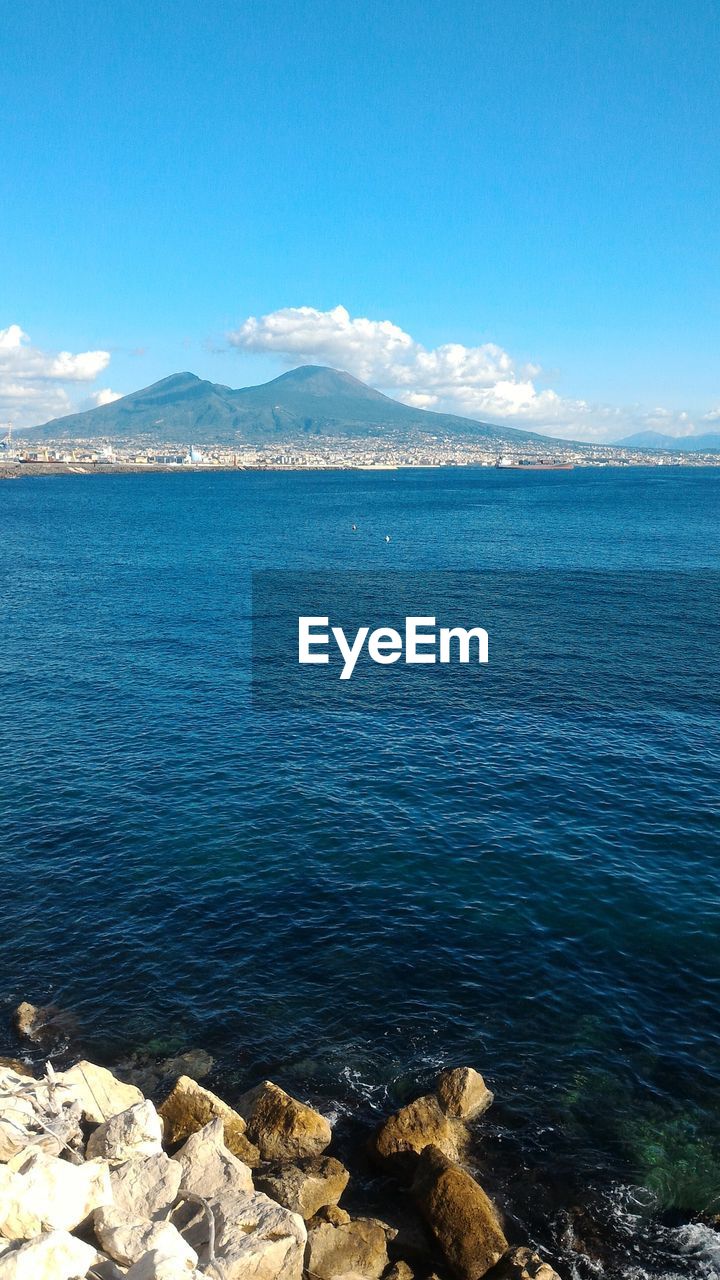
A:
(348, 900)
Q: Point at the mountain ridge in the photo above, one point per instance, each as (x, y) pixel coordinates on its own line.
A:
(312, 401)
(708, 442)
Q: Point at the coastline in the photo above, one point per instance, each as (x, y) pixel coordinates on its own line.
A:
(170, 1180)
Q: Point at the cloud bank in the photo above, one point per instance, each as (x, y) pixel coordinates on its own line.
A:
(482, 382)
(34, 384)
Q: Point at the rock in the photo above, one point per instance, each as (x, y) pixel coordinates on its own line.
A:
(399, 1271)
(413, 1128)
(170, 1258)
(100, 1094)
(54, 1256)
(135, 1132)
(307, 1186)
(145, 1186)
(104, 1268)
(144, 1190)
(330, 1213)
(156, 1266)
(40, 1193)
(18, 1066)
(282, 1127)
(208, 1168)
(45, 1025)
(357, 1248)
(195, 1063)
(189, 1107)
(255, 1239)
(128, 1242)
(522, 1264)
(152, 1074)
(462, 1093)
(460, 1215)
(38, 1114)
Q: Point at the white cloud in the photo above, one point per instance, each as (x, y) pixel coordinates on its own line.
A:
(483, 382)
(106, 396)
(33, 383)
(477, 382)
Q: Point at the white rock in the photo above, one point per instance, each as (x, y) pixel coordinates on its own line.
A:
(166, 1261)
(144, 1191)
(135, 1132)
(100, 1094)
(145, 1187)
(255, 1238)
(55, 1256)
(207, 1167)
(42, 1192)
(127, 1242)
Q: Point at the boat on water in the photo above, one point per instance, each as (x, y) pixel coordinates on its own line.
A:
(529, 464)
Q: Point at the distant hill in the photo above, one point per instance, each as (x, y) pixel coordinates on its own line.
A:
(685, 444)
(310, 401)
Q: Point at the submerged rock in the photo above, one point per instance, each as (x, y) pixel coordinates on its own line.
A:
(462, 1093)
(45, 1025)
(189, 1107)
(54, 1256)
(135, 1132)
(410, 1130)
(307, 1186)
(40, 1193)
(282, 1127)
(357, 1248)
(522, 1264)
(460, 1215)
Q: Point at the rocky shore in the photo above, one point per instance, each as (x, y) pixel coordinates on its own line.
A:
(99, 1180)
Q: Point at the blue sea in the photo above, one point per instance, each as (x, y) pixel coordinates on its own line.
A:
(348, 902)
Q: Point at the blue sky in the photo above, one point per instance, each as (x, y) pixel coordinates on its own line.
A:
(509, 210)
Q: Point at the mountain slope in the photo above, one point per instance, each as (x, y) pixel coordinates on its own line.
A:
(310, 401)
(685, 444)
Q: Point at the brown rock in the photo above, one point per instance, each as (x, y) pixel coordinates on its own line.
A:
(419, 1125)
(20, 1068)
(330, 1213)
(305, 1187)
(522, 1264)
(189, 1107)
(460, 1215)
(282, 1127)
(462, 1093)
(45, 1025)
(399, 1271)
(358, 1249)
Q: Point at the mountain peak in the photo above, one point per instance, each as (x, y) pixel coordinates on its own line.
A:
(321, 380)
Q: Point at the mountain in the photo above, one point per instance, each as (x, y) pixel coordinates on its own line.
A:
(684, 444)
(310, 401)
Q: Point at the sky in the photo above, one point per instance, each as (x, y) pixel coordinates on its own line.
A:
(509, 210)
